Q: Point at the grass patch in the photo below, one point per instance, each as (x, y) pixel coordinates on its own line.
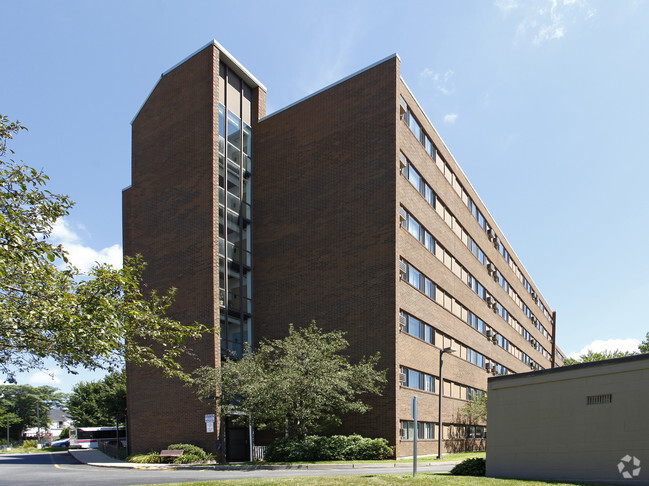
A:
(32, 450)
(437, 479)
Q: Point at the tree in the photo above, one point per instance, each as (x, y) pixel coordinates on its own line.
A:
(48, 311)
(24, 404)
(98, 403)
(475, 410)
(301, 382)
(591, 356)
(644, 346)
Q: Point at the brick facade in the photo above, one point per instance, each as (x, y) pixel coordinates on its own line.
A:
(328, 190)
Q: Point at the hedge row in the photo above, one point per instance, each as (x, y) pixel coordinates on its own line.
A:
(334, 448)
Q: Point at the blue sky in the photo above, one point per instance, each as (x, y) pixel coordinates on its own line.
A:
(543, 103)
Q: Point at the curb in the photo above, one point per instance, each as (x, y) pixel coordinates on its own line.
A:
(268, 467)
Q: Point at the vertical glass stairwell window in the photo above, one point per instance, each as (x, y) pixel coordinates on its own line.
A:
(235, 215)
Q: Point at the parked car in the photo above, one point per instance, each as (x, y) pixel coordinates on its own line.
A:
(61, 443)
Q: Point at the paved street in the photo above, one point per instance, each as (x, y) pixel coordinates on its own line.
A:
(60, 468)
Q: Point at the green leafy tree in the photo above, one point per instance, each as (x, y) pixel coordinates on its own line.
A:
(50, 312)
(302, 382)
(591, 356)
(644, 346)
(475, 410)
(97, 403)
(24, 404)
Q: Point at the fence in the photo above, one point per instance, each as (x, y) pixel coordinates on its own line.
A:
(258, 453)
(111, 449)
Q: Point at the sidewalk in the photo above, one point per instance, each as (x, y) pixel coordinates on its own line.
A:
(93, 457)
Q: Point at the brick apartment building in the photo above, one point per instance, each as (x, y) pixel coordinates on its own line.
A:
(345, 208)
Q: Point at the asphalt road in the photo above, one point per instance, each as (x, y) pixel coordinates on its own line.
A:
(59, 468)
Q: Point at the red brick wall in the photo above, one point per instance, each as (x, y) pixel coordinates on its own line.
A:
(169, 218)
(324, 223)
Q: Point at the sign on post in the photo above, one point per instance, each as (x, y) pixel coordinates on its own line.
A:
(210, 418)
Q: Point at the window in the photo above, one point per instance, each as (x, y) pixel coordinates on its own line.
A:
(414, 228)
(418, 379)
(474, 393)
(476, 432)
(425, 430)
(414, 277)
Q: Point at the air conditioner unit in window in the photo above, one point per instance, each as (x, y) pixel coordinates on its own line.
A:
(496, 276)
(402, 378)
(533, 342)
(403, 267)
(489, 333)
(532, 364)
(403, 322)
(497, 243)
(490, 301)
(495, 309)
(488, 366)
(491, 268)
(494, 339)
(491, 234)
(402, 214)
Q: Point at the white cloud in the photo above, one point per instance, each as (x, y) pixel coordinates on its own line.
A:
(601, 345)
(450, 118)
(82, 256)
(506, 6)
(440, 80)
(545, 20)
(44, 377)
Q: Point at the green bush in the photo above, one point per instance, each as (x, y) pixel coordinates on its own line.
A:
(65, 433)
(150, 458)
(290, 450)
(29, 443)
(334, 448)
(188, 459)
(470, 467)
(189, 449)
(369, 449)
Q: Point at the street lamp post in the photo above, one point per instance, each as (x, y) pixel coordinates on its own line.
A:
(449, 349)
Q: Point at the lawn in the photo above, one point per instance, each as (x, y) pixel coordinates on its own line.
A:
(32, 450)
(437, 479)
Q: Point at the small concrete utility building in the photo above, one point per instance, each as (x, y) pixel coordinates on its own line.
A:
(584, 422)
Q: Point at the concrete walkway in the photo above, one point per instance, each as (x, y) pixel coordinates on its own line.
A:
(93, 457)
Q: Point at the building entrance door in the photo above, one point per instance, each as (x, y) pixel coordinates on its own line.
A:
(238, 444)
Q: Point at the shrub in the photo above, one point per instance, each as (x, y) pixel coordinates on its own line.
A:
(65, 433)
(290, 449)
(334, 448)
(368, 449)
(189, 449)
(188, 459)
(470, 467)
(29, 443)
(150, 458)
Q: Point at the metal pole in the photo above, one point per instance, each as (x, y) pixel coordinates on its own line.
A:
(554, 339)
(38, 419)
(414, 444)
(441, 392)
(250, 437)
